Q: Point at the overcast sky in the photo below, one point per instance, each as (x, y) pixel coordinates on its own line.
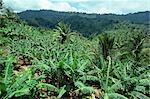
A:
(88, 6)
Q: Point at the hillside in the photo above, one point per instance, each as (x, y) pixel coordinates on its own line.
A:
(44, 63)
(47, 54)
(86, 24)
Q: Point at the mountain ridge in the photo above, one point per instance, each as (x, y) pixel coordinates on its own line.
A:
(84, 23)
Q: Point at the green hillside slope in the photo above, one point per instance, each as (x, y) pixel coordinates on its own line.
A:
(39, 63)
(86, 24)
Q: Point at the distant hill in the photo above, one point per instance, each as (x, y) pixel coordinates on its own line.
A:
(81, 22)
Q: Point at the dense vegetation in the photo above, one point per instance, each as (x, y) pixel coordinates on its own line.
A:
(86, 24)
(38, 63)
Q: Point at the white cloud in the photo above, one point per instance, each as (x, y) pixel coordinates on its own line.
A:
(21, 5)
(115, 6)
(77, 1)
(89, 6)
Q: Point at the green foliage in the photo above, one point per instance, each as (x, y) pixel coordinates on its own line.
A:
(65, 32)
(1, 4)
(86, 24)
(83, 88)
(8, 69)
(43, 63)
(106, 44)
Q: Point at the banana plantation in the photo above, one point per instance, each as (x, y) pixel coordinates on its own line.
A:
(41, 63)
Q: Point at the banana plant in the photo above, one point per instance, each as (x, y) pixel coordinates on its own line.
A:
(19, 85)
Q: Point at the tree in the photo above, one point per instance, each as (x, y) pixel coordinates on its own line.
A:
(2, 17)
(1, 4)
(64, 30)
(106, 42)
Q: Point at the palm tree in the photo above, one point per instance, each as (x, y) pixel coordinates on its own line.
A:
(64, 30)
(106, 43)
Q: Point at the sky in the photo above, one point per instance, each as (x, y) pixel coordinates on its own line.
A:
(87, 6)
